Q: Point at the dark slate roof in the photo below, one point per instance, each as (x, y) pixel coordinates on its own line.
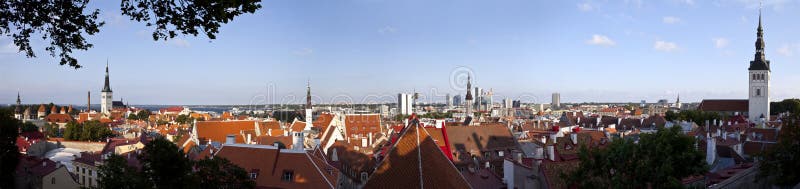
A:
(724, 105)
(759, 65)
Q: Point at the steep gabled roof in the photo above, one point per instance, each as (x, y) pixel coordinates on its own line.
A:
(269, 163)
(219, 130)
(415, 161)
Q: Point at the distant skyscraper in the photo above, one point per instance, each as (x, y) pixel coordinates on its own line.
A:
(508, 103)
(556, 100)
(405, 103)
(478, 98)
(448, 101)
(457, 100)
(759, 80)
(106, 96)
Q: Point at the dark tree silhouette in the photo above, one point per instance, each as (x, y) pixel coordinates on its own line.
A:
(66, 23)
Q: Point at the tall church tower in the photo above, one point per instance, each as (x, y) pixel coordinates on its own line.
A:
(18, 108)
(309, 109)
(468, 104)
(106, 96)
(759, 80)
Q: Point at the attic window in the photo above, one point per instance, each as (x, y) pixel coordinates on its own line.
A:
(288, 176)
(363, 176)
(253, 176)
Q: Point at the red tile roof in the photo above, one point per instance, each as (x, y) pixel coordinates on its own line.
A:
(323, 121)
(724, 105)
(270, 163)
(415, 161)
(362, 124)
(474, 140)
(297, 126)
(219, 130)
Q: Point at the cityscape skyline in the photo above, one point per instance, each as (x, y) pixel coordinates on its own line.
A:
(514, 53)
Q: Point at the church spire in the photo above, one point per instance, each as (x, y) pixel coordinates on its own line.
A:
(469, 89)
(107, 86)
(308, 95)
(760, 61)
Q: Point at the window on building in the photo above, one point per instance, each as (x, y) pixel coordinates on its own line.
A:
(53, 180)
(363, 176)
(754, 76)
(288, 176)
(758, 92)
(253, 175)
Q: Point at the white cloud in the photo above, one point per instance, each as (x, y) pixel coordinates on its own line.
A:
(665, 46)
(303, 52)
(688, 2)
(671, 20)
(178, 42)
(387, 29)
(720, 42)
(585, 7)
(602, 40)
(787, 50)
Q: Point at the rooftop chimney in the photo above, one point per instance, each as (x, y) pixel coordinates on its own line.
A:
(230, 139)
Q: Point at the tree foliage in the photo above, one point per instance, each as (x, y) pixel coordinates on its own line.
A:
(658, 160)
(87, 131)
(787, 105)
(221, 173)
(143, 115)
(183, 119)
(29, 127)
(780, 164)
(115, 173)
(65, 24)
(9, 153)
(696, 116)
(165, 166)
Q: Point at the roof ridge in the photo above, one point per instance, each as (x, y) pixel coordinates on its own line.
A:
(320, 171)
(445, 155)
(419, 155)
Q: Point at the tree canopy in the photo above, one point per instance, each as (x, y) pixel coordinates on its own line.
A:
(9, 153)
(780, 164)
(65, 24)
(658, 160)
(165, 166)
(86, 131)
(787, 105)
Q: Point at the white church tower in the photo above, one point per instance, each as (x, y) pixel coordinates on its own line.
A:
(106, 96)
(309, 109)
(759, 81)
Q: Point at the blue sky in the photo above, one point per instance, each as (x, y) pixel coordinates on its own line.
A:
(351, 49)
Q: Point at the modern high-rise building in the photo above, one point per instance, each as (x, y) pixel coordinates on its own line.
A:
(759, 74)
(405, 103)
(478, 98)
(448, 100)
(508, 103)
(106, 96)
(556, 101)
(457, 100)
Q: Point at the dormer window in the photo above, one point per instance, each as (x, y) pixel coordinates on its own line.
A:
(288, 176)
(253, 176)
(363, 176)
